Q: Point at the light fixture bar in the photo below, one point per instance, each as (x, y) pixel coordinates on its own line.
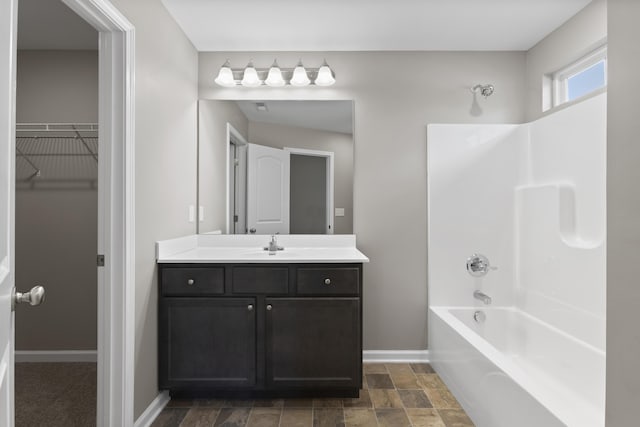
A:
(236, 75)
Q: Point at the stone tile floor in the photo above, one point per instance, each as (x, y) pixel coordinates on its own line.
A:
(393, 395)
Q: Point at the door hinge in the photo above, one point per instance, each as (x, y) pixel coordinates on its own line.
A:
(235, 218)
(100, 260)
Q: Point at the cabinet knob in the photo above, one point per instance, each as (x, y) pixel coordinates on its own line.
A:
(190, 282)
(269, 307)
(250, 307)
(327, 281)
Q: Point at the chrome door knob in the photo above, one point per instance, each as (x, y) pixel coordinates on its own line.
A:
(34, 297)
(269, 307)
(327, 281)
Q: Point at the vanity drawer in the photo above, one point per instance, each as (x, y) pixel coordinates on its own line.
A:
(260, 280)
(192, 281)
(335, 281)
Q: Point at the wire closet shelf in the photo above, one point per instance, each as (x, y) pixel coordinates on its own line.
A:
(53, 156)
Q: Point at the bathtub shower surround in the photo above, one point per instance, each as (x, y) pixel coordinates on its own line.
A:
(531, 198)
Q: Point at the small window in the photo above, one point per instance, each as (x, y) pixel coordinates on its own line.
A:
(580, 78)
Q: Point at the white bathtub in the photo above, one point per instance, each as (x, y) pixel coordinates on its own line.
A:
(513, 370)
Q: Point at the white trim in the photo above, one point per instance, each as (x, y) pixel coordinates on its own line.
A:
(560, 78)
(329, 155)
(153, 410)
(55, 356)
(395, 356)
(116, 285)
(231, 131)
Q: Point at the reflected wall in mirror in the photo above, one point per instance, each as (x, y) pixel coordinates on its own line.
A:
(268, 167)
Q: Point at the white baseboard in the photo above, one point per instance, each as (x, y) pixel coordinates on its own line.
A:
(56, 356)
(153, 410)
(396, 356)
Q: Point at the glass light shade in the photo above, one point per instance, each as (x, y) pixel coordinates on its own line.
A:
(225, 76)
(325, 76)
(250, 77)
(299, 77)
(274, 78)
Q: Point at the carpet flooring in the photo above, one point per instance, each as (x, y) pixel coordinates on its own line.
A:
(55, 394)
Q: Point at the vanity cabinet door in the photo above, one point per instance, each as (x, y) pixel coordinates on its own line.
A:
(207, 342)
(313, 343)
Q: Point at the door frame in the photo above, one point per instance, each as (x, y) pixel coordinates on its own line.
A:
(116, 286)
(329, 156)
(239, 141)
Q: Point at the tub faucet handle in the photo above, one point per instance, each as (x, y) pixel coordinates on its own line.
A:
(478, 265)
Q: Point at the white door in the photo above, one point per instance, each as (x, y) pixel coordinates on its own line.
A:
(8, 34)
(8, 25)
(267, 190)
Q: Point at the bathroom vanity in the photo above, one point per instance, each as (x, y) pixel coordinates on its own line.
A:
(237, 321)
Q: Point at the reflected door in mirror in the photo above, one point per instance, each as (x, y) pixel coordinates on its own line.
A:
(267, 190)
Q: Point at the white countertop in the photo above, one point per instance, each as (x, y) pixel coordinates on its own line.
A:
(207, 248)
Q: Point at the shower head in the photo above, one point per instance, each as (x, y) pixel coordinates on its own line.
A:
(485, 90)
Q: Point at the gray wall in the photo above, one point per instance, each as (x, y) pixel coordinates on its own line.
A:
(623, 214)
(57, 86)
(166, 80)
(212, 157)
(392, 110)
(56, 230)
(341, 144)
(575, 38)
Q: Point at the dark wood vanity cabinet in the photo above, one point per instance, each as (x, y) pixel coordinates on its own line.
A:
(260, 329)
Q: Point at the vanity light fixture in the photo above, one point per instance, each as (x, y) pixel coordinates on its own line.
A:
(275, 76)
(300, 77)
(250, 77)
(325, 76)
(225, 75)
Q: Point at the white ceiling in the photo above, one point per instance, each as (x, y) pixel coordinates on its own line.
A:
(365, 25)
(334, 116)
(49, 24)
(328, 25)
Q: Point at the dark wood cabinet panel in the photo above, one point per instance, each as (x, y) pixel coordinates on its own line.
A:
(328, 281)
(313, 343)
(260, 280)
(192, 281)
(207, 342)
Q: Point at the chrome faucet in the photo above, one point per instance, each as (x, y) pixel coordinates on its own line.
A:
(486, 299)
(273, 246)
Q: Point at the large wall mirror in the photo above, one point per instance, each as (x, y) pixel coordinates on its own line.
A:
(267, 167)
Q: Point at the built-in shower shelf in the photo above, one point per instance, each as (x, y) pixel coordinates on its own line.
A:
(550, 212)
